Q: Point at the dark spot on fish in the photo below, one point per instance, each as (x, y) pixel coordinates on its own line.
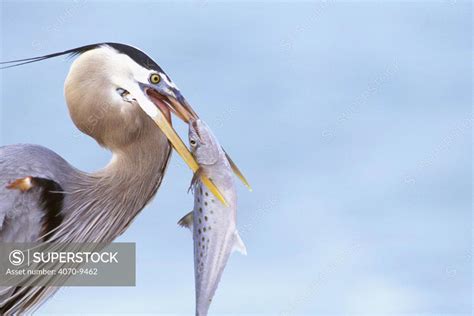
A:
(200, 209)
(199, 200)
(203, 239)
(205, 218)
(200, 221)
(212, 212)
(203, 247)
(205, 203)
(207, 194)
(200, 190)
(199, 230)
(209, 227)
(213, 201)
(204, 228)
(201, 254)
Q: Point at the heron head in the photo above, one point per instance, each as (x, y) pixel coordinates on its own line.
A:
(113, 90)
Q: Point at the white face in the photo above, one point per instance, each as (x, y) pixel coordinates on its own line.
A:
(127, 75)
(127, 79)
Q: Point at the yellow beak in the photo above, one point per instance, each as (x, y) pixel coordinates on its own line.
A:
(178, 105)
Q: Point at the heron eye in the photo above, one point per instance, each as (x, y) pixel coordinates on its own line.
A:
(155, 78)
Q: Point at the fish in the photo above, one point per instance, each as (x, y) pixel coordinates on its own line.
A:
(213, 224)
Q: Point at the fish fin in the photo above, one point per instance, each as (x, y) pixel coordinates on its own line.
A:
(195, 179)
(237, 171)
(239, 244)
(187, 221)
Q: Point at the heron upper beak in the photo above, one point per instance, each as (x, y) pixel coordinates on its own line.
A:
(173, 100)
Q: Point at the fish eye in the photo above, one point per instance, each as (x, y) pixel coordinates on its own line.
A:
(192, 142)
(155, 78)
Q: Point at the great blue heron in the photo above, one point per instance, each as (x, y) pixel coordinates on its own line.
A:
(115, 94)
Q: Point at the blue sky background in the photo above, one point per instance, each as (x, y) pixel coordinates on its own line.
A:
(352, 121)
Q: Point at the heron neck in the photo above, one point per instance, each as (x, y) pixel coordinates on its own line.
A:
(106, 202)
(137, 165)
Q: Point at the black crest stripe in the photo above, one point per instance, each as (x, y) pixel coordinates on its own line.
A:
(134, 53)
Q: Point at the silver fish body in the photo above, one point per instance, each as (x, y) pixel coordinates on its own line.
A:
(213, 226)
